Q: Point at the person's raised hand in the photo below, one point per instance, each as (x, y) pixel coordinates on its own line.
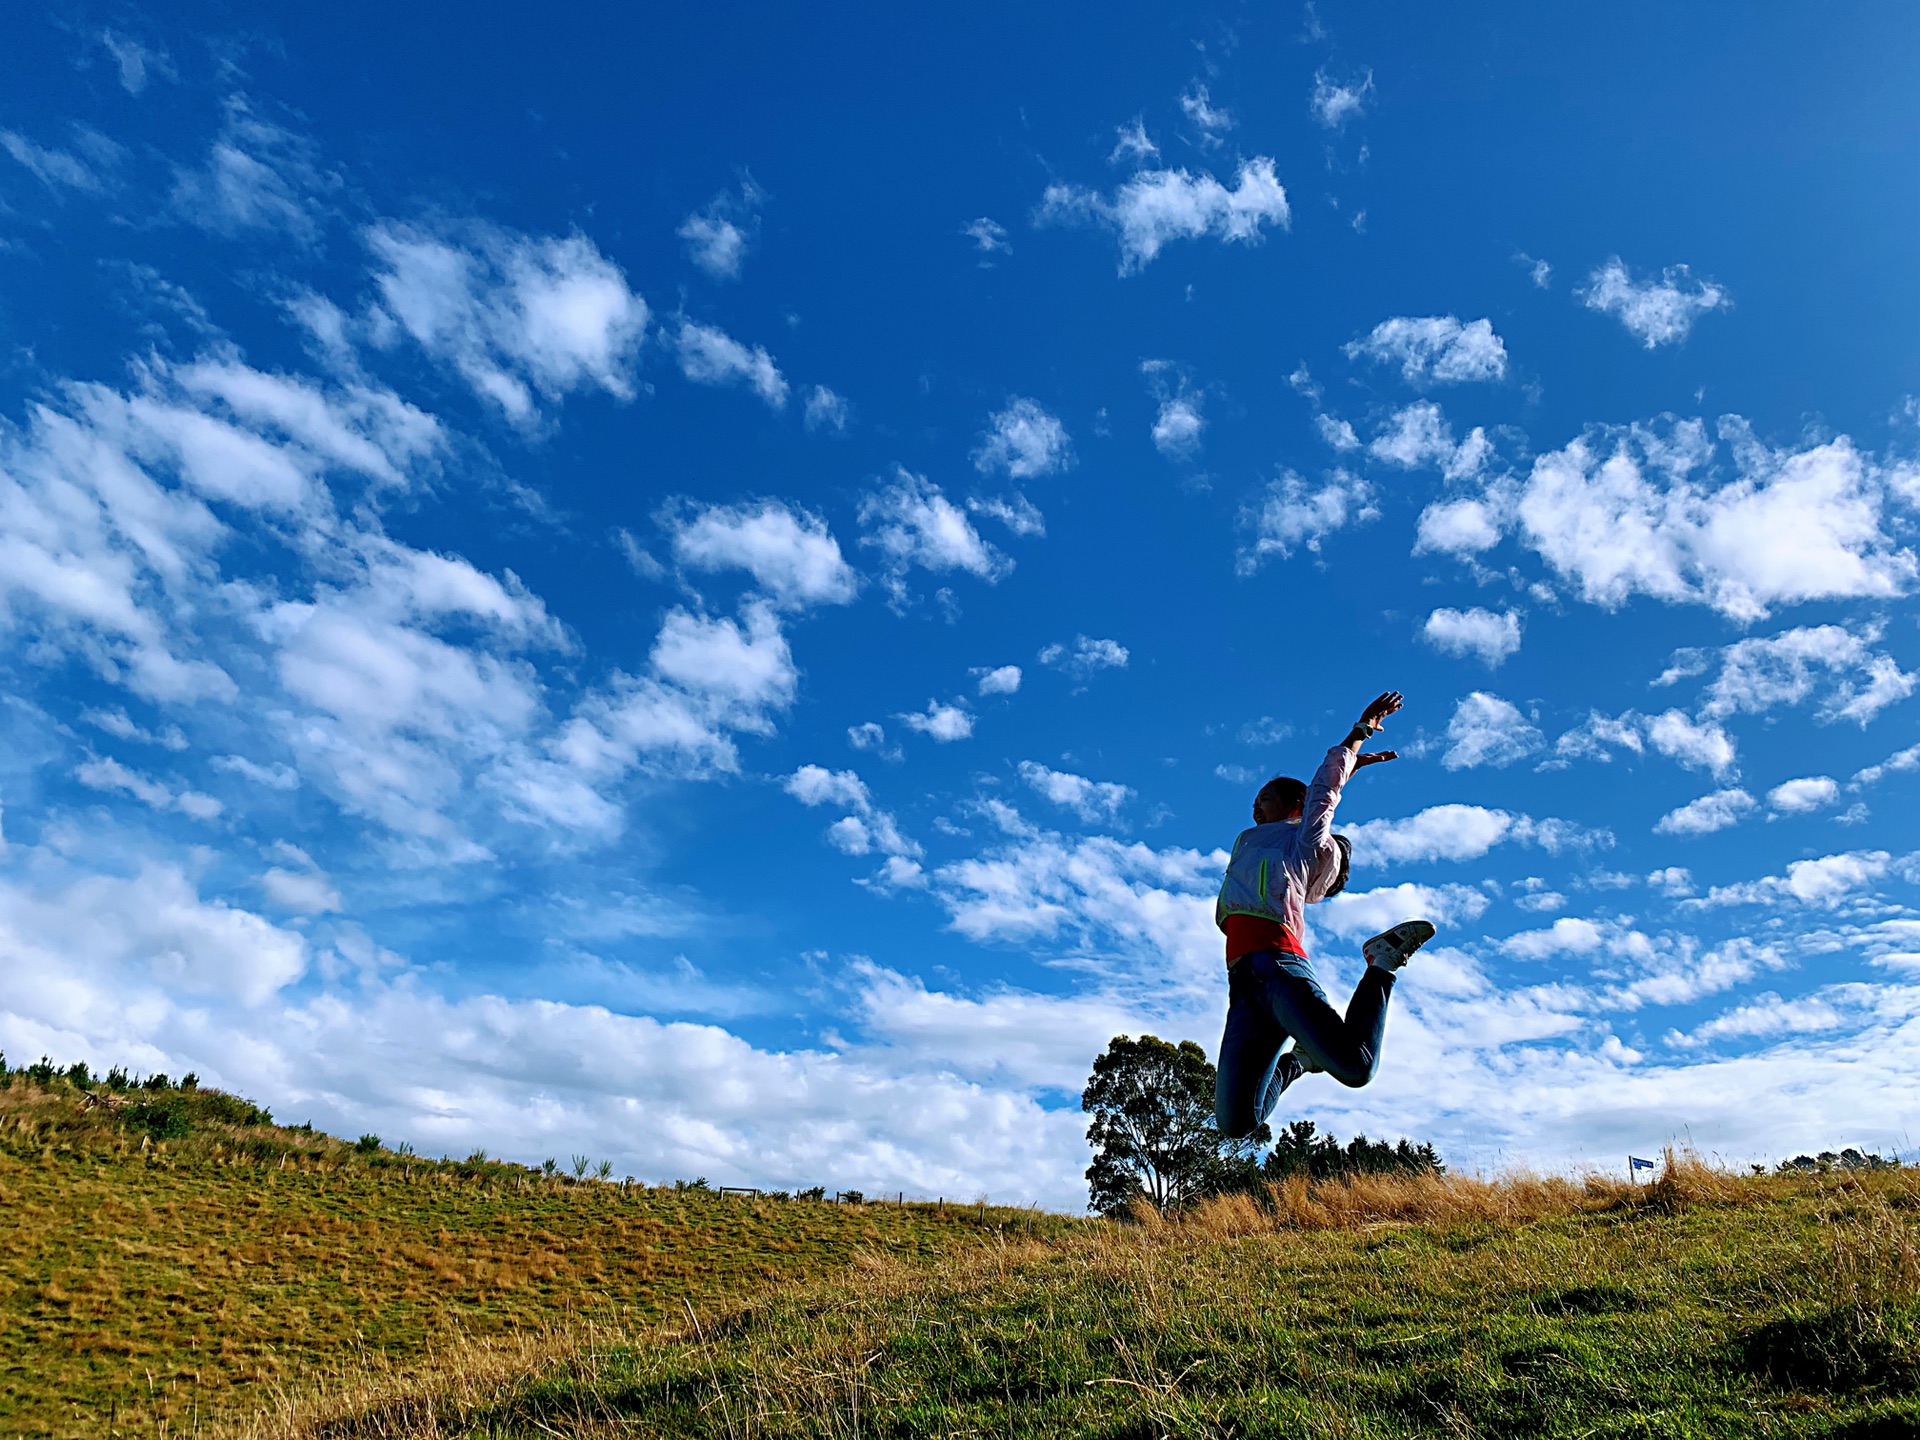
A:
(1376, 713)
(1375, 758)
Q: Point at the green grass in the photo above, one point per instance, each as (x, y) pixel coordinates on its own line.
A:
(149, 1283)
(1707, 1306)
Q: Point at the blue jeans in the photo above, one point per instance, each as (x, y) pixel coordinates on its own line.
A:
(1272, 995)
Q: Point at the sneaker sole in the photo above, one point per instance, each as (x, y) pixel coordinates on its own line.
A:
(1394, 946)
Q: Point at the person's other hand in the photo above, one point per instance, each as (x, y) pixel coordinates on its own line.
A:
(1376, 713)
(1375, 758)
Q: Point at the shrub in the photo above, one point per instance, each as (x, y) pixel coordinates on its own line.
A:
(117, 1080)
(79, 1075)
(812, 1192)
(43, 1073)
(549, 1167)
(367, 1145)
(603, 1170)
(158, 1081)
(580, 1164)
(852, 1197)
(162, 1119)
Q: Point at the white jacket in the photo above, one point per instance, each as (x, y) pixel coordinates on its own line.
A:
(1277, 869)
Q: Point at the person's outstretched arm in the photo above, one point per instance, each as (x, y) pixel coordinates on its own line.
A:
(1324, 793)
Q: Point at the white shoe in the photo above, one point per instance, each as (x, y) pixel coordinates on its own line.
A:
(1394, 946)
(1304, 1062)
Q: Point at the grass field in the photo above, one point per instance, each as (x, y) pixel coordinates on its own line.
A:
(158, 1285)
(1705, 1305)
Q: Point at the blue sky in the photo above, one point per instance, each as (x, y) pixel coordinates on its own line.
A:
(710, 589)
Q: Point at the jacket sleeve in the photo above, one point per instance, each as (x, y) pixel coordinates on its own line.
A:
(1323, 795)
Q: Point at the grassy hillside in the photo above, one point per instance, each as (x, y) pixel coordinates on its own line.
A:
(1705, 1305)
(168, 1257)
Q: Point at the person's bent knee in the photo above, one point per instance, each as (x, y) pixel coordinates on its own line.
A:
(1355, 1075)
(1234, 1122)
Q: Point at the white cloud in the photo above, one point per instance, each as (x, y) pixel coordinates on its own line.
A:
(136, 62)
(989, 237)
(1486, 730)
(790, 554)
(1338, 433)
(515, 315)
(257, 176)
(1024, 441)
(710, 356)
(1709, 813)
(1016, 512)
(1798, 797)
(1698, 745)
(1655, 312)
(1824, 882)
(1197, 105)
(1673, 881)
(1419, 436)
(1758, 674)
(54, 168)
(1364, 912)
(1000, 680)
(1132, 145)
(865, 828)
(307, 891)
(1463, 832)
(748, 669)
(827, 411)
(1176, 429)
(1566, 936)
(1896, 763)
(1462, 528)
(1437, 348)
(1155, 207)
(1794, 526)
(717, 237)
(912, 523)
(1288, 514)
(1085, 657)
(1091, 800)
(1766, 1017)
(1334, 102)
(1482, 634)
(943, 723)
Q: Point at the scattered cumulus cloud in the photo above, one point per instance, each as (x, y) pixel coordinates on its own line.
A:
(1023, 441)
(1486, 730)
(1092, 800)
(1824, 882)
(1197, 105)
(1622, 514)
(1786, 669)
(1656, 312)
(1132, 145)
(517, 316)
(989, 238)
(1718, 811)
(1155, 207)
(258, 176)
(710, 356)
(1000, 680)
(1435, 348)
(790, 553)
(943, 723)
(1486, 636)
(59, 169)
(136, 62)
(1418, 436)
(910, 521)
(1800, 797)
(1458, 832)
(827, 411)
(1289, 514)
(1335, 102)
(1085, 658)
(718, 237)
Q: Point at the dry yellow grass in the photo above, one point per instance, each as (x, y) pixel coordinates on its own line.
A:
(1705, 1304)
(147, 1283)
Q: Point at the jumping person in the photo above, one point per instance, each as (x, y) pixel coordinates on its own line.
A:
(1290, 858)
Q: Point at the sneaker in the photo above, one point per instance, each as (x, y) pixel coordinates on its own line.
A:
(1394, 946)
(1303, 1063)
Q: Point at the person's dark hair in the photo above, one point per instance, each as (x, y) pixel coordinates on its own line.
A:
(1280, 796)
